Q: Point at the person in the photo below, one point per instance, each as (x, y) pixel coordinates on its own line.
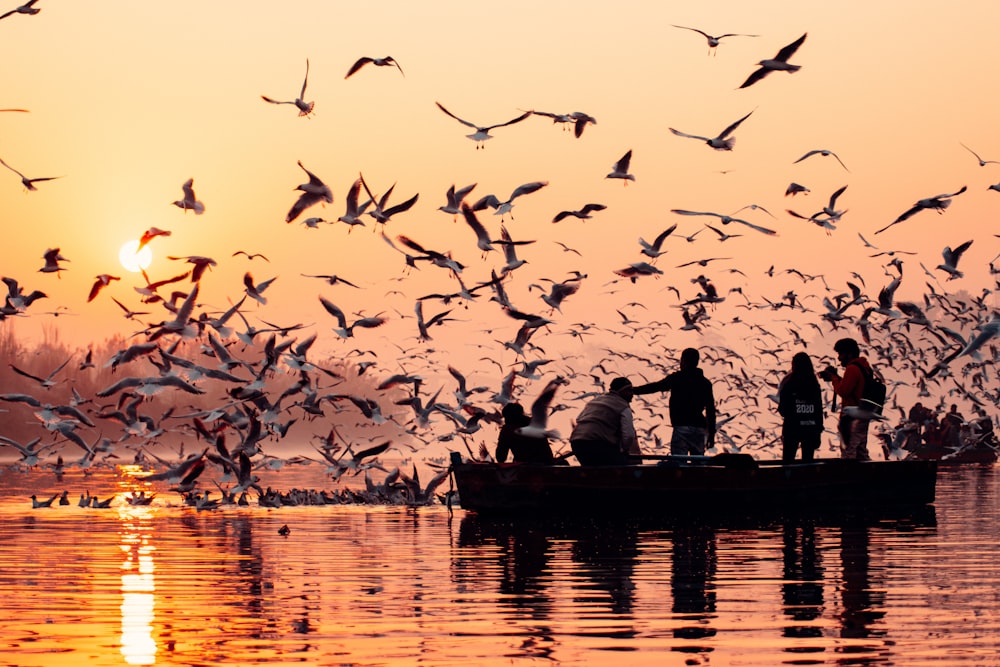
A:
(951, 427)
(692, 406)
(604, 433)
(800, 403)
(525, 449)
(853, 422)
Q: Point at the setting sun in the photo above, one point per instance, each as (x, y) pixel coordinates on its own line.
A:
(133, 259)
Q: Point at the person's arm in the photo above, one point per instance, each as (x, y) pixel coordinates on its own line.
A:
(652, 387)
(630, 441)
(849, 383)
(710, 414)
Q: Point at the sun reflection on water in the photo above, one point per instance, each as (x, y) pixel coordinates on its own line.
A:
(138, 587)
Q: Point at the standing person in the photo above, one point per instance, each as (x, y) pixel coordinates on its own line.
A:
(524, 448)
(853, 424)
(692, 406)
(800, 403)
(604, 433)
(951, 427)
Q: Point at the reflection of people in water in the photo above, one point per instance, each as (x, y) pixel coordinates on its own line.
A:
(692, 583)
(863, 600)
(607, 556)
(802, 590)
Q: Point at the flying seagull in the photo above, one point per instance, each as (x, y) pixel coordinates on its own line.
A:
(29, 183)
(577, 118)
(720, 142)
(982, 162)
(825, 153)
(778, 63)
(620, 170)
(713, 40)
(305, 108)
(189, 202)
(388, 61)
(726, 219)
(938, 203)
(312, 192)
(482, 132)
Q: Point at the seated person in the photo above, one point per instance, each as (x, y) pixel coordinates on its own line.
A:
(604, 433)
(525, 449)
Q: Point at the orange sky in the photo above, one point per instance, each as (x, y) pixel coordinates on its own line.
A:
(129, 100)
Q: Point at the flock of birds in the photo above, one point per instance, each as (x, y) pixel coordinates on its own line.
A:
(238, 388)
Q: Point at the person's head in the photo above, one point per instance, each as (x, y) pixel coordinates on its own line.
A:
(847, 350)
(954, 407)
(623, 387)
(513, 413)
(802, 365)
(689, 358)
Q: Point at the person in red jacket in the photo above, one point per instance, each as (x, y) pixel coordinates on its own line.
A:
(853, 424)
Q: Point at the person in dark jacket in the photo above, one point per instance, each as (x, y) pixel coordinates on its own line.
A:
(524, 448)
(692, 406)
(800, 403)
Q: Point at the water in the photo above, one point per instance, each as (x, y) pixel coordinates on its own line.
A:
(352, 585)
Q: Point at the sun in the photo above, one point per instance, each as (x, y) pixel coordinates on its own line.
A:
(132, 258)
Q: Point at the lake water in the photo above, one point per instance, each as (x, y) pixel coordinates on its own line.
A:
(354, 585)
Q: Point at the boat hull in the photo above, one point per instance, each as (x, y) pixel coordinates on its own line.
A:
(761, 486)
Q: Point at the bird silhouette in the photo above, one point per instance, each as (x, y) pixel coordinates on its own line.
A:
(305, 108)
(777, 64)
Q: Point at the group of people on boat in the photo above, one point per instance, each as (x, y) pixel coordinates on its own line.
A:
(604, 432)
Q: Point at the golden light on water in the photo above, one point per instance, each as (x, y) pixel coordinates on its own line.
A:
(138, 587)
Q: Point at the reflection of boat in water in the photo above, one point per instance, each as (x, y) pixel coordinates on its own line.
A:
(729, 483)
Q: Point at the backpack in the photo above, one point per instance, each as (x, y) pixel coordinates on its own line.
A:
(874, 391)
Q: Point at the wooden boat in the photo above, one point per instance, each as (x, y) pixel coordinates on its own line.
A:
(731, 483)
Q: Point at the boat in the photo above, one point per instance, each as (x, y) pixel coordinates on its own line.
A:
(730, 483)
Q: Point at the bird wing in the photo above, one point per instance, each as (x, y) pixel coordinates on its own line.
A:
(509, 122)
(399, 208)
(335, 311)
(305, 81)
(527, 189)
(463, 122)
(685, 134)
(482, 235)
(765, 230)
(623, 164)
(787, 52)
(732, 127)
(658, 241)
(756, 76)
(358, 64)
(902, 216)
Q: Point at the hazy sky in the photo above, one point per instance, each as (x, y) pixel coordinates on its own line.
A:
(128, 100)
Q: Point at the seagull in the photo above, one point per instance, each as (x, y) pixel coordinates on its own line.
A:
(726, 219)
(255, 290)
(52, 259)
(722, 235)
(620, 170)
(455, 198)
(510, 253)
(654, 249)
(348, 331)
(830, 211)
(702, 262)
(388, 61)
(151, 234)
(938, 203)
(633, 271)
(201, 264)
(482, 132)
(779, 62)
(578, 118)
(352, 216)
(982, 162)
(312, 192)
(582, 214)
(482, 236)
(35, 502)
(148, 386)
(189, 203)
(28, 183)
(951, 257)
(305, 108)
(538, 426)
(720, 142)
(103, 280)
(251, 255)
(332, 280)
(382, 214)
(713, 40)
(825, 153)
(503, 207)
(27, 8)
(45, 382)
(794, 189)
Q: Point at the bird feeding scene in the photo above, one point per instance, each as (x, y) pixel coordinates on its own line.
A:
(250, 266)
